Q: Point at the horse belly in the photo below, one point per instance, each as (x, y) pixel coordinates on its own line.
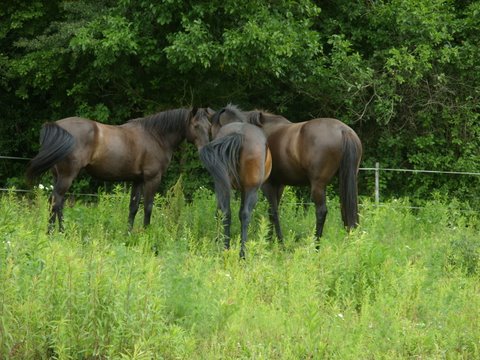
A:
(288, 176)
(116, 155)
(113, 173)
(287, 167)
(115, 166)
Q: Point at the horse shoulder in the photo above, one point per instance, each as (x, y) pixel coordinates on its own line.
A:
(156, 154)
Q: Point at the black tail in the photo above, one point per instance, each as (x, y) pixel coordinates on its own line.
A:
(55, 144)
(352, 151)
(221, 158)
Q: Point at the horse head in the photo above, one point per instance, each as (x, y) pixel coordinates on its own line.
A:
(230, 113)
(198, 128)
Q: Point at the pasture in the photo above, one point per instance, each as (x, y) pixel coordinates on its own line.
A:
(405, 284)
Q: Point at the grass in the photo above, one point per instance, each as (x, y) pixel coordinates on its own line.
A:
(405, 284)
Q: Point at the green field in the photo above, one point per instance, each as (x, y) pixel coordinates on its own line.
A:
(404, 285)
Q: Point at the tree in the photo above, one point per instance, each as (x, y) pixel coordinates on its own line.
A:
(403, 73)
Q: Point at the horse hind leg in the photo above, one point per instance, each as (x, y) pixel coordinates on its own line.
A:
(53, 213)
(57, 201)
(223, 204)
(319, 198)
(134, 203)
(273, 195)
(249, 199)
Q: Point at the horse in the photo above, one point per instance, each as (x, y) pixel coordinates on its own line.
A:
(139, 151)
(309, 153)
(238, 157)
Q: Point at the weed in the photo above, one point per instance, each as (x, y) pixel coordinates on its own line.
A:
(402, 285)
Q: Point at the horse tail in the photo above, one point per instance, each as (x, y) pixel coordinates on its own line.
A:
(221, 158)
(55, 144)
(348, 173)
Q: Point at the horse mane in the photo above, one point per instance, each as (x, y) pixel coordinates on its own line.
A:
(165, 122)
(202, 112)
(259, 117)
(254, 117)
(231, 111)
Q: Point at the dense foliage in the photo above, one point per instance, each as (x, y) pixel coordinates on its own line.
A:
(403, 285)
(405, 74)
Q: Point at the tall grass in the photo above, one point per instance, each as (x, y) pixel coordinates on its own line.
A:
(405, 284)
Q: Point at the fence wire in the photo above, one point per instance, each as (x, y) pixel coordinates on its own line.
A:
(376, 169)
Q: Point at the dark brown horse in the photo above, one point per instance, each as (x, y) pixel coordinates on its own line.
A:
(238, 157)
(138, 151)
(309, 153)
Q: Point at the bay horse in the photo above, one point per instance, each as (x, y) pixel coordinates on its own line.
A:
(239, 158)
(309, 153)
(139, 151)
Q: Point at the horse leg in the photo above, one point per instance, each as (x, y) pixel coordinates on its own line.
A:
(249, 199)
(51, 201)
(273, 193)
(134, 203)
(223, 203)
(320, 200)
(53, 213)
(149, 189)
(57, 200)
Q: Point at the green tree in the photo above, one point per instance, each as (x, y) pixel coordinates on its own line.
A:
(403, 73)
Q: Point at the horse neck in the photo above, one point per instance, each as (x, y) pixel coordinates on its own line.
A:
(172, 139)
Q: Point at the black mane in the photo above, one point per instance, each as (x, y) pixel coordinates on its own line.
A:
(165, 122)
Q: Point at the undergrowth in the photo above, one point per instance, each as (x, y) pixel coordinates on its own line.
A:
(404, 284)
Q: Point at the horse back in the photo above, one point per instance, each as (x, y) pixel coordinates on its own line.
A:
(329, 135)
(111, 152)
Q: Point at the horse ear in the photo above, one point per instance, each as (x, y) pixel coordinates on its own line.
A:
(210, 111)
(194, 111)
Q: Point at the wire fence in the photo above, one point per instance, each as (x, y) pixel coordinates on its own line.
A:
(14, 158)
(377, 171)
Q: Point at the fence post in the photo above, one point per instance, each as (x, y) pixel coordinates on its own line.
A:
(377, 183)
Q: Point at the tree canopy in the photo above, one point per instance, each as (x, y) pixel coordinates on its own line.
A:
(405, 74)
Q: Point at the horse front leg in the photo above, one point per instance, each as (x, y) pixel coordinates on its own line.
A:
(149, 189)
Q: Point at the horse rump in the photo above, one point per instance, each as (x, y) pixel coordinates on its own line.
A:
(55, 144)
(221, 158)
